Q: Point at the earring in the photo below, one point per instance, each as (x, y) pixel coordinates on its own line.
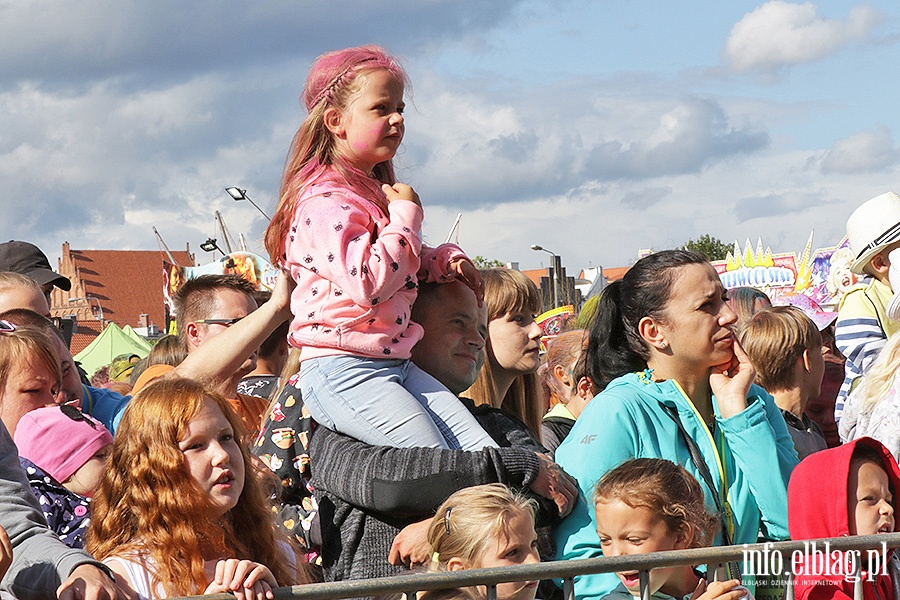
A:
(663, 345)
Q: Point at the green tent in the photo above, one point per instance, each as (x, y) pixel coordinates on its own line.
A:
(111, 342)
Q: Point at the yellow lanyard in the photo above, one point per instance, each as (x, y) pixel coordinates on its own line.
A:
(723, 475)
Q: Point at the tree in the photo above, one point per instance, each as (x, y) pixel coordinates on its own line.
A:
(486, 263)
(712, 248)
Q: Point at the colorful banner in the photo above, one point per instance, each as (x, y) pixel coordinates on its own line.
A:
(823, 275)
(553, 322)
(252, 267)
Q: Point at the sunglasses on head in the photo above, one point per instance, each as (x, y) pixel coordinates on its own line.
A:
(7, 327)
(76, 415)
(225, 322)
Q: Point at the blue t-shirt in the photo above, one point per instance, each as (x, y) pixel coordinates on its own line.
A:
(105, 405)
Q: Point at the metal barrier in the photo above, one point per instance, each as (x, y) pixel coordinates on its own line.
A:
(566, 570)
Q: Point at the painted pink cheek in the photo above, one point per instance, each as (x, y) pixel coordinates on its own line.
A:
(370, 139)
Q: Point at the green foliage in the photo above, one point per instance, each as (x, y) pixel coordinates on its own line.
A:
(486, 263)
(711, 247)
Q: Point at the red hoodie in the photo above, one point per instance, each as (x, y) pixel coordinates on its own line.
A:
(817, 508)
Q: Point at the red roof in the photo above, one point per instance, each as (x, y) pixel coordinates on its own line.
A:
(87, 333)
(615, 273)
(536, 274)
(122, 284)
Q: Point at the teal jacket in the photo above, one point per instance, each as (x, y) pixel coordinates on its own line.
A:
(750, 455)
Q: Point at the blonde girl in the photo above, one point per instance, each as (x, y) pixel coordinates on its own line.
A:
(179, 511)
(486, 526)
(349, 235)
(653, 505)
(873, 408)
(509, 378)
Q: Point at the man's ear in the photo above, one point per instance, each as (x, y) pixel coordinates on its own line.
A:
(192, 334)
(334, 121)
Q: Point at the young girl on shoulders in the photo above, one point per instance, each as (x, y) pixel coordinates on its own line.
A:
(179, 511)
(653, 505)
(349, 235)
(486, 526)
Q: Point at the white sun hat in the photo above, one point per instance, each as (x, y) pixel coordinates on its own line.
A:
(872, 227)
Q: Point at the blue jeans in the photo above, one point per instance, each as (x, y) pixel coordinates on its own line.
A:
(387, 403)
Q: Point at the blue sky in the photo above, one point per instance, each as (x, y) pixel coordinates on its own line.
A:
(594, 128)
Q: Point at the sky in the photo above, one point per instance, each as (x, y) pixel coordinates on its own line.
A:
(593, 128)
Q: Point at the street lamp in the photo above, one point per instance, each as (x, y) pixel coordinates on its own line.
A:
(238, 194)
(557, 266)
(87, 298)
(210, 244)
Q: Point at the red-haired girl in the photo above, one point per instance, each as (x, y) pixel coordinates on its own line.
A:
(179, 511)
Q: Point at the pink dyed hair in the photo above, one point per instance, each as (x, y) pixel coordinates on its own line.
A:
(332, 82)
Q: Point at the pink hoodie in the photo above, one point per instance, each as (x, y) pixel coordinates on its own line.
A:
(357, 270)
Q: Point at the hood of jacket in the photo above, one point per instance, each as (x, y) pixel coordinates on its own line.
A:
(818, 508)
(818, 494)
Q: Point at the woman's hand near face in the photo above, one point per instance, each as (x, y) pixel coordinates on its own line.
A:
(730, 383)
(246, 579)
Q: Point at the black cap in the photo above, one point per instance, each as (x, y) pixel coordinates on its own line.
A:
(27, 259)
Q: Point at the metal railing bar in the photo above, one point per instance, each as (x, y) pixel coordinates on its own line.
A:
(789, 587)
(565, 569)
(569, 589)
(644, 582)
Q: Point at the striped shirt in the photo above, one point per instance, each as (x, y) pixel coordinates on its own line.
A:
(861, 331)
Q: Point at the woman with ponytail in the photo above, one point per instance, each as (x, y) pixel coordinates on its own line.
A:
(680, 388)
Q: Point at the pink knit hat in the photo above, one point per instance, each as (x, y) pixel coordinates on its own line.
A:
(60, 439)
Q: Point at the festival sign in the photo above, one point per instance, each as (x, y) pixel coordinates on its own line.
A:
(772, 273)
(823, 275)
(252, 267)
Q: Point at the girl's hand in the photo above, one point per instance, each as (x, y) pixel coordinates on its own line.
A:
(246, 579)
(731, 382)
(401, 191)
(719, 590)
(467, 273)
(6, 552)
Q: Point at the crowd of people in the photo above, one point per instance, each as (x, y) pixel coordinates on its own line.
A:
(386, 408)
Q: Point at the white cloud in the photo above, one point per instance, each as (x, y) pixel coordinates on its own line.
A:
(165, 40)
(780, 33)
(113, 120)
(468, 148)
(865, 152)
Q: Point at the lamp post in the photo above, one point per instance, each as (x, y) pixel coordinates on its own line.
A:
(557, 266)
(210, 244)
(87, 298)
(238, 194)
